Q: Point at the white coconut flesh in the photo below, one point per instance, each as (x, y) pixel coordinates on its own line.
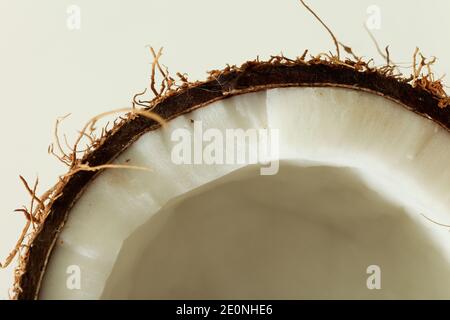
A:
(358, 172)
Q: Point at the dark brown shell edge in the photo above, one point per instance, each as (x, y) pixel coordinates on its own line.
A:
(255, 77)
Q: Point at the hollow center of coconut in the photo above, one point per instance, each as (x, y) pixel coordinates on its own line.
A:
(341, 215)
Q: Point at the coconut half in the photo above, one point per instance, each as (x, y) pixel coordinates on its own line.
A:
(363, 160)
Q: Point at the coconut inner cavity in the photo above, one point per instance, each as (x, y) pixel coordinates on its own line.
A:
(308, 232)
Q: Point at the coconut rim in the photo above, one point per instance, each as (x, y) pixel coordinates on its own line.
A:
(252, 76)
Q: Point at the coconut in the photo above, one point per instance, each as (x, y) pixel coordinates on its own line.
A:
(351, 198)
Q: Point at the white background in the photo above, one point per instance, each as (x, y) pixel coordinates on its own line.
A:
(48, 70)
